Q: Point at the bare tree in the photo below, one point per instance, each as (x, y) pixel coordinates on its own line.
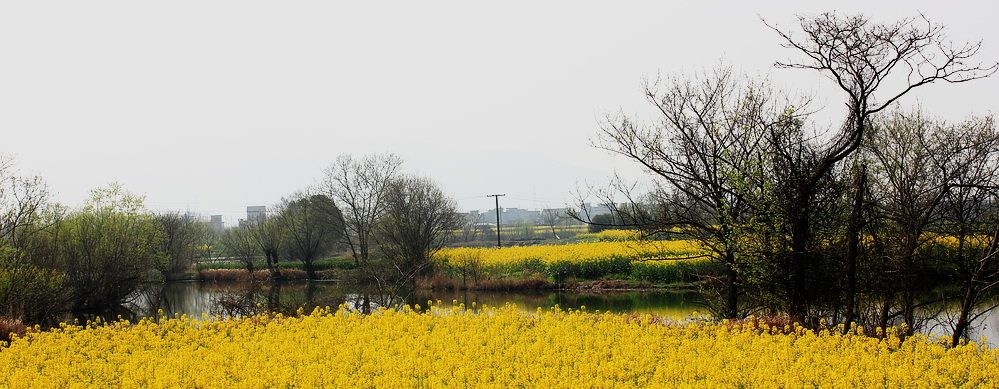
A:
(552, 217)
(706, 154)
(239, 245)
(875, 65)
(418, 221)
(27, 292)
(22, 202)
(266, 235)
(357, 187)
(469, 227)
(927, 171)
(968, 213)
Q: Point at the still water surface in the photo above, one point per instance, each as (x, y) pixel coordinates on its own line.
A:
(226, 299)
(233, 299)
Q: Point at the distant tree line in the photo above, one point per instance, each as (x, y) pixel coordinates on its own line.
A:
(55, 259)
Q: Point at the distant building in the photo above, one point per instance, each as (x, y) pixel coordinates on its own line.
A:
(508, 216)
(514, 215)
(589, 210)
(217, 222)
(511, 216)
(255, 214)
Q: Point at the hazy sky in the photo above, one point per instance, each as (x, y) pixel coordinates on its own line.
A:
(211, 106)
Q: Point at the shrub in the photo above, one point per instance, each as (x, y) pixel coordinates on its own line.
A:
(241, 275)
(561, 271)
(673, 272)
(536, 265)
(29, 293)
(222, 275)
(10, 327)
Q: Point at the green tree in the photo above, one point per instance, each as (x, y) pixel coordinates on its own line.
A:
(312, 226)
(182, 234)
(108, 248)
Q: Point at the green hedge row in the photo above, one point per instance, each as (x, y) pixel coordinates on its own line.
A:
(674, 272)
(615, 267)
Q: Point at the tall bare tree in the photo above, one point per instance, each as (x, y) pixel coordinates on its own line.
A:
(357, 186)
(875, 64)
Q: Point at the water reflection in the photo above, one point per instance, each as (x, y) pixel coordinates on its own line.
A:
(234, 300)
(243, 299)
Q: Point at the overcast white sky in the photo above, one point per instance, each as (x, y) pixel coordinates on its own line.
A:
(211, 106)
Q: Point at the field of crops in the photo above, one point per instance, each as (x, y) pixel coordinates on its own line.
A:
(576, 252)
(500, 348)
(611, 253)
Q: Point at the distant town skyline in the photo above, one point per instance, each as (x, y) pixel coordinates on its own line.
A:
(210, 107)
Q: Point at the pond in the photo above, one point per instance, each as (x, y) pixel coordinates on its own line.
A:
(241, 299)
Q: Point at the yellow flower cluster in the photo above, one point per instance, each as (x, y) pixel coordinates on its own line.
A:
(612, 235)
(495, 348)
(576, 252)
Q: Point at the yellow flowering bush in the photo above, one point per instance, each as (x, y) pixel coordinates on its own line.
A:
(493, 348)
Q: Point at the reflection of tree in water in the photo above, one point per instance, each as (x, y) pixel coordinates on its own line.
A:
(241, 302)
(370, 299)
(147, 301)
(935, 314)
(281, 297)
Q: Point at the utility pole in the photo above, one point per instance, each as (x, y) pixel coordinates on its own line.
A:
(497, 196)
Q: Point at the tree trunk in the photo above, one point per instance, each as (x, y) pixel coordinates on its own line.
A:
(800, 235)
(964, 318)
(853, 245)
(272, 260)
(731, 293)
(310, 270)
(885, 313)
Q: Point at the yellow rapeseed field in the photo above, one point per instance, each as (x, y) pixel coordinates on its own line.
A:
(490, 348)
(576, 252)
